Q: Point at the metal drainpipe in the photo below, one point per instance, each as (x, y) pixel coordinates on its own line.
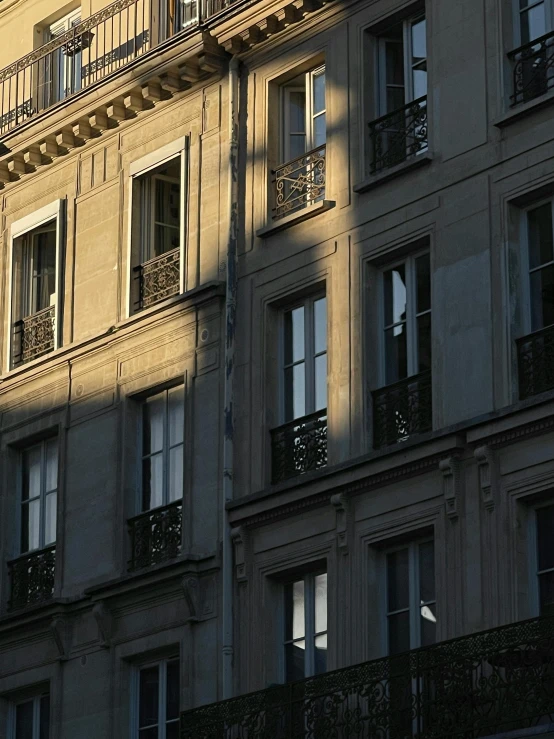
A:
(230, 316)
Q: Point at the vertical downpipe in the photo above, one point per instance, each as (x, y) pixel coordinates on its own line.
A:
(228, 441)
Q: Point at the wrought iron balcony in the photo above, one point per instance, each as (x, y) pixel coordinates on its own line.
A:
(299, 183)
(33, 336)
(533, 69)
(299, 446)
(159, 278)
(535, 360)
(474, 686)
(402, 409)
(32, 578)
(397, 136)
(92, 50)
(155, 535)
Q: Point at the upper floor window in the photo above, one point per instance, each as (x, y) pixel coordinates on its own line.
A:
(305, 634)
(533, 60)
(544, 560)
(158, 701)
(62, 69)
(534, 19)
(158, 226)
(39, 495)
(31, 718)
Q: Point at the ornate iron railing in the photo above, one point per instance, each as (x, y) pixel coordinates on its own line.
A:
(535, 359)
(473, 686)
(299, 183)
(155, 535)
(533, 68)
(159, 278)
(91, 51)
(34, 335)
(299, 446)
(402, 409)
(32, 578)
(398, 135)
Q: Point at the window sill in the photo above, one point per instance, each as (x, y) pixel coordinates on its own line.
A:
(523, 109)
(419, 160)
(294, 218)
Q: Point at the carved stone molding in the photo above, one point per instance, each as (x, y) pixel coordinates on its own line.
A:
(343, 515)
(487, 475)
(450, 468)
(59, 629)
(190, 591)
(241, 541)
(104, 622)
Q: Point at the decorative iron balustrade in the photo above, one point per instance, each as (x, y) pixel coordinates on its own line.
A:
(299, 183)
(159, 278)
(299, 446)
(155, 535)
(535, 360)
(34, 335)
(402, 409)
(473, 686)
(92, 50)
(32, 578)
(533, 69)
(398, 135)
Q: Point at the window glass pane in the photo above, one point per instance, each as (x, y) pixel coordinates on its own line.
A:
(427, 571)
(52, 465)
(30, 526)
(546, 594)
(297, 146)
(428, 625)
(533, 23)
(320, 654)
(176, 473)
(151, 733)
(172, 702)
(395, 295)
(295, 661)
(419, 41)
(419, 77)
(545, 537)
(423, 283)
(44, 269)
(539, 224)
(294, 335)
(399, 633)
(542, 297)
(44, 732)
(294, 610)
(398, 592)
(320, 382)
(153, 410)
(148, 696)
(176, 403)
(396, 354)
(165, 239)
(152, 482)
(321, 603)
(297, 111)
(167, 202)
(395, 100)
(295, 392)
(424, 342)
(319, 131)
(319, 92)
(394, 55)
(320, 325)
(24, 720)
(172, 730)
(31, 472)
(50, 518)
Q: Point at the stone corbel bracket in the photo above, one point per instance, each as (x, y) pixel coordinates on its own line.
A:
(59, 629)
(451, 481)
(104, 622)
(487, 475)
(190, 591)
(241, 542)
(343, 511)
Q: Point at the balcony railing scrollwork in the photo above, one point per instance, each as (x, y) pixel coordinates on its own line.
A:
(402, 409)
(32, 578)
(159, 278)
(533, 69)
(494, 681)
(33, 335)
(299, 446)
(155, 535)
(397, 136)
(535, 359)
(299, 183)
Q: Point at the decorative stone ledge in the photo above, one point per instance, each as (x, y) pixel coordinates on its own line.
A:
(298, 217)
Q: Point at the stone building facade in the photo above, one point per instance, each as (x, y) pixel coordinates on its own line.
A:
(276, 395)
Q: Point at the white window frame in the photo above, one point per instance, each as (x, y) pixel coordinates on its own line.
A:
(36, 715)
(51, 212)
(310, 356)
(413, 598)
(517, 13)
(43, 492)
(310, 633)
(63, 65)
(307, 88)
(139, 168)
(162, 694)
(525, 261)
(411, 314)
(533, 557)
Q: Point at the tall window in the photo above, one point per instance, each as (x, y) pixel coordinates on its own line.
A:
(39, 495)
(410, 597)
(158, 701)
(304, 109)
(31, 718)
(161, 210)
(163, 420)
(305, 358)
(545, 560)
(541, 265)
(407, 318)
(305, 637)
(534, 19)
(63, 68)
